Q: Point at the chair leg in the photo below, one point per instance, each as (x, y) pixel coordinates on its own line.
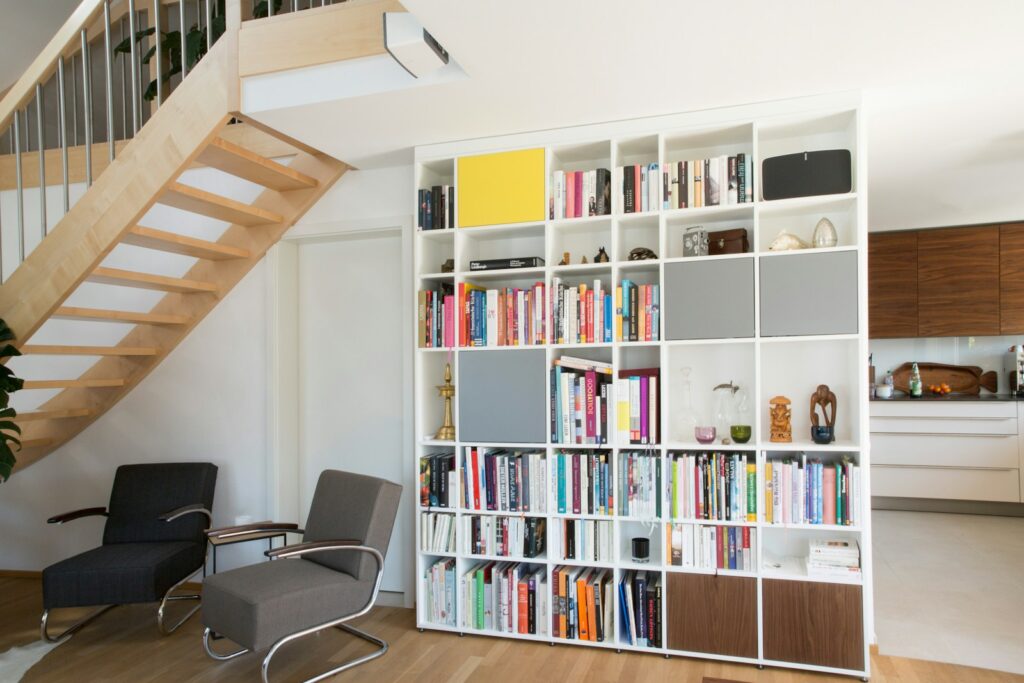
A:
(381, 644)
(71, 629)
(209, 635)
(168, 598)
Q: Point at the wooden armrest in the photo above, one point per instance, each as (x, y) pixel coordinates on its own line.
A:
(194, 508)
(256, 527)
(316, 546)
(76, 514)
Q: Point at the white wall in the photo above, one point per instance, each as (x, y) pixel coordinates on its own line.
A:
(206, 401)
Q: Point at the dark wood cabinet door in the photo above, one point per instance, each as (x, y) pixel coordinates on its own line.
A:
(892, 284)
(813, 623)
(958, 282)
(1011, 279)
(713, 614)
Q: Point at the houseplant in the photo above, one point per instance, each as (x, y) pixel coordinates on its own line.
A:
(9, 431)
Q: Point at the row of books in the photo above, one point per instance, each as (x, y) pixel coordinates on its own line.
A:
(438, 477)
(508, 597)
(510, 316)
(437, 532)
(587, 540)
(718, 486)
(708, 182)
(436, 207)
(637, 407)
(504, 536)
(580, 193)
(581, 314)
(439, 592)
(580, 393)
(835, 558)
(639, 313)
(504, 481)
(435, 317)
(583, 484)
(639, 485)
(798, 491)
(640, 188)
(640, 600)
(710, 547)
(582, 603)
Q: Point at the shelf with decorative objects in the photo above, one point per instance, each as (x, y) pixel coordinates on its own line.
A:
(714, 337)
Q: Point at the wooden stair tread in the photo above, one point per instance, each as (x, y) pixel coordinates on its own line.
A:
(52, 415)
(238, 161)
(36, 443)
(161, 240)
(131, 278)
(73, 383)
(58, 350)
(215, 206)
(76, 313)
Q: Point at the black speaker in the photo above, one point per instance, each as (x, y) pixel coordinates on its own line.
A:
(828, 171)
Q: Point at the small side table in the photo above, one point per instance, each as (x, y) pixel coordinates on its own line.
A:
(269, 535)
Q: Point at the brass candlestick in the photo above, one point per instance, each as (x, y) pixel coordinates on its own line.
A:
(447, 391)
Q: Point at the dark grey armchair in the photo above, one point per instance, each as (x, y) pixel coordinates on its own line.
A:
(334, 575)
(153, 541)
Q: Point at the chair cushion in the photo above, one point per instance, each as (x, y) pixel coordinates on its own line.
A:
(120, 573)
(256, 605)
(141, 493)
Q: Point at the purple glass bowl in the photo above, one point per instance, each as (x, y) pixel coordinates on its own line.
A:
(705, 434)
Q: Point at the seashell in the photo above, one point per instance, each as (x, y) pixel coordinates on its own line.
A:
(787, 241)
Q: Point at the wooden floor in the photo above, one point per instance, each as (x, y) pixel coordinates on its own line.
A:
(124, 645)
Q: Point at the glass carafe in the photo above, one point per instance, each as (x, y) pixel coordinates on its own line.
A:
(741, 428)
(725, 409)
(685, 415)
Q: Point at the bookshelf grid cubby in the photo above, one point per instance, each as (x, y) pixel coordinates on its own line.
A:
(765, 366)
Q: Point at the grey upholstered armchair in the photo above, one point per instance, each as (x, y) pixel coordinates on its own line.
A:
(154, 540)
(333, 577)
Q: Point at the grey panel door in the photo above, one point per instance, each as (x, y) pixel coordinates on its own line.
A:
(809, 294)
(711, 299)
(503, 396)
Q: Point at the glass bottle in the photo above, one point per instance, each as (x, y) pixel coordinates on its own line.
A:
(915, 382)
(685, 416)
(725, 409)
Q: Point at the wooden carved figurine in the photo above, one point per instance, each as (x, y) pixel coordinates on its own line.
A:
(824, 398)
(565, 259)
(584, 259)
(781, 416)
(602, 256)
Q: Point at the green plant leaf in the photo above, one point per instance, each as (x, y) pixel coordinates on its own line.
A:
(6, 333)
(7, 424)
(8, 412)
(8, 351)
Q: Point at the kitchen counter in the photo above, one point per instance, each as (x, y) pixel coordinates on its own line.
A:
(985, 397)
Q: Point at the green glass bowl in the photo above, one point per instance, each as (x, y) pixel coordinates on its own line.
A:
(740, 433)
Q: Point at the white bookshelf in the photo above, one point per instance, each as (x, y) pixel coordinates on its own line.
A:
(763, 366)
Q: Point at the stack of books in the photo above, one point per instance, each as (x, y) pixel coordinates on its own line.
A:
(641, 188)
(580, 394)
(437, 533)
(710, 547)
(438, 480)
(435, 316)
(708, 182)
(439, 591)
(637, 406)
(583, 483)
(587, 540)
(583, 604)
(504, 481)
(638, 312)
(833, 559)
(639, 485)
(640, 608)
(798, 491)
(500, 317)
(581, 314)
(718, 486)
(580, 193)
(437, 208)
(504, 536)
(507, 597)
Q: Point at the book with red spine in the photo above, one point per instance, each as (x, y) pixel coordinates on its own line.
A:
(523, 595)
(591, 384)
(581, 201)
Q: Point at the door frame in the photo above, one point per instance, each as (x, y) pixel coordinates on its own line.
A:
(283, 430)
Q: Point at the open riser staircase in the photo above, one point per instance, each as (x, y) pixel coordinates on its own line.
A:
(192, 200)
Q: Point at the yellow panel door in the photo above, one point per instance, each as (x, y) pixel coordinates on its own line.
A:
(507, 187)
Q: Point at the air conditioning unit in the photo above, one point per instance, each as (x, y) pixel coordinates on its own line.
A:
(411, 46)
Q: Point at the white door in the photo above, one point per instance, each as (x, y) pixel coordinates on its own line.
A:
(351, 353)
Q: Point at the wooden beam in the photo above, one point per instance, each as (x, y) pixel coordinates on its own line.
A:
(188, 198)
(52, 415)
(130, 278)
(55, 350)
(73, 384)
(99, 314)
(334, 33)
(161, 240)
(238, 161)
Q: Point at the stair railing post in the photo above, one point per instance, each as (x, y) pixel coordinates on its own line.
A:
(62, 130)
(134, 54)
(109, 78)
(207, 13)
(159, 56)
(87, 105)
(19, 186)
(40, 129)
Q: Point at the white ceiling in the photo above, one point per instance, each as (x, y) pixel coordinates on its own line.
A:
(942, 78)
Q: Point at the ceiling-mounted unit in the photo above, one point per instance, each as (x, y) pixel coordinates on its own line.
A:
(411, 46)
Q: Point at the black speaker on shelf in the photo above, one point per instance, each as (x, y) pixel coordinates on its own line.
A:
(805, 174)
